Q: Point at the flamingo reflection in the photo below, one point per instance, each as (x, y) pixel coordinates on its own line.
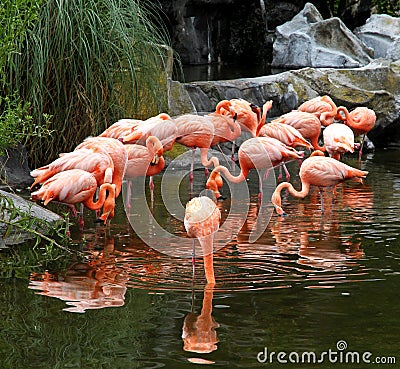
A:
(93, 285)
(199, 330)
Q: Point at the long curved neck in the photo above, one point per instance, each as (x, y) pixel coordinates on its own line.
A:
(276, 196)
(207, 249)
(235, 179)
(204, 158)
(95, 205)
(345, 111)
(266, 108)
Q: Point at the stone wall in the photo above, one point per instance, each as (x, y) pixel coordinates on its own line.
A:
(240, 31)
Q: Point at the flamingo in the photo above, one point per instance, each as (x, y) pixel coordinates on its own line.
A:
(117, 153)
(306, 123)
(254, 153)
(85, 159)
(160, 126)
(202, 219)
(144, 160)
(361, 120)
(320, 171)
(323, 107)
(289, 135)
(338, 139)
(285, 133)
(120, 128)
(77, 186)
(196, 131)
(244, 112)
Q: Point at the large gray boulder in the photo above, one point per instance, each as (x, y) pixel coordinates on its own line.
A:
(310, 41)
(374, 86)
(381, 32)
(26, 209)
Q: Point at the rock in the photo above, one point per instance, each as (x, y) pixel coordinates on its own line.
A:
(14, 167)
(31, 210)
(381, 32)
(374, 86)
(309, 40)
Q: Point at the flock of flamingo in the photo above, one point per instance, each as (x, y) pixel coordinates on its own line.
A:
(129, 148)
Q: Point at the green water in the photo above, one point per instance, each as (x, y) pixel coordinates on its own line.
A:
(309, 282)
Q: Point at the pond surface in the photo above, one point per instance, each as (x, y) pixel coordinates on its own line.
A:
(312, 283)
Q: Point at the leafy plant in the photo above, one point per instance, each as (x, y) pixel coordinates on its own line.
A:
(390, 7)
(88, 63)
(16, 124)
(18, 221)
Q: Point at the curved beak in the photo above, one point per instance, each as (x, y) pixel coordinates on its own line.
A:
(155, 160)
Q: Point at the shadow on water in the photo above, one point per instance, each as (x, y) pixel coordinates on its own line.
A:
(310, 280)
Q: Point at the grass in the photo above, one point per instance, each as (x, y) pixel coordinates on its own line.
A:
(88, 63)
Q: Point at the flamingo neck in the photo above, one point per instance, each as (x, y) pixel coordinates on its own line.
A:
(235, 179)
(204, 158)
(266, 108)
(207, 249)
(95, 205)
(276, 196)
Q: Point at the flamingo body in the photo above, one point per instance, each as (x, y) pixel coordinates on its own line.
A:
(306, 123)
(145, 160)
(338, 139)
(85, 159)
(323, 107)
(117, 153)
(285, 133)
(254, 153)
(317, 171)
(160, 126)
(120, 128)
(243, 110)
(77, 186)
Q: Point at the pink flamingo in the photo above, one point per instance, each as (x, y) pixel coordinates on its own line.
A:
(361, 120)
(202, 219)
(338, 139)
(77, 186)
(255, 153)
(144, 161)
(306, 123)
(320, 171)
(323, 107)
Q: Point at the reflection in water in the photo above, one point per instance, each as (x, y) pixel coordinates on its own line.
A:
(93, 285)
(307, 261)
(199, 330)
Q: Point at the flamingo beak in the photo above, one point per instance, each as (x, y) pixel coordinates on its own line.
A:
(155, 160)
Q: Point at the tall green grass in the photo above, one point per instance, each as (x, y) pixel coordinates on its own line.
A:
(88, 63)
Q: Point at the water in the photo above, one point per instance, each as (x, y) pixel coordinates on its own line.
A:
(311, 281)
(214, 72)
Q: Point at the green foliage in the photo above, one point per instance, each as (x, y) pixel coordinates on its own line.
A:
(390, 7)
(16, 17)
(19, 221)
(16, 124)
(88, 63)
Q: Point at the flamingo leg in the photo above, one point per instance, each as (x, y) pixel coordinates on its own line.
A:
(194, 257)
(151, 186)
(280, 176)
(286, 173)
(128, 196)
(81, 221)
(361, 147)
(233, 151)
(322, 200)
(191, 176)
